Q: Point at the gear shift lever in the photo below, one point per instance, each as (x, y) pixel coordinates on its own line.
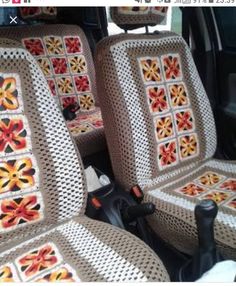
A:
(207, 254)
(205, 214)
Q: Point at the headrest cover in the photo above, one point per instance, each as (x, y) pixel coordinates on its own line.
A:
(38, 13)
(129, 18)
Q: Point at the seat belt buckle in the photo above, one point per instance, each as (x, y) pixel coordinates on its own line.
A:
(96, 203)
(137, 193)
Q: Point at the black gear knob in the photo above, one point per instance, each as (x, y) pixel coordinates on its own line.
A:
(207, 254)
(205, 214)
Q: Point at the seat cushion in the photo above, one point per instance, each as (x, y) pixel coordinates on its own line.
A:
(81, 250)
(64, 56)
(175, 202)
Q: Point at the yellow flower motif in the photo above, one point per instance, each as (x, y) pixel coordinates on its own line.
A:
(188, 146)
(6, 274)
(164, 127)
(80, 129)
(52, 11)
(16, 175)
(86, 102)
(217, 197)
(60, 275)
(132, 10)
(78, 64)
(45, 66)
(8, 94)
(210, 179)
(151, 70)
(54, 45)
(65, 85)
(178, 95)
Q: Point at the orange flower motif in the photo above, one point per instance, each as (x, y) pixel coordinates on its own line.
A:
(157, 99)
(8, 94)
(217, 197)
(164, 127)
(151, 70)
(171, 67)
(184, 121)
(167, 154)
(210, 179)
(38, 260)
(16, 175)
(6, 274)
(178, 95)
(188, 146)
(18, 211)
(192, 190)
(229, 185)
(60, 275)
(12, 135)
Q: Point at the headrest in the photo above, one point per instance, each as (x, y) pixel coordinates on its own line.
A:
(38, 13)
(129, 18)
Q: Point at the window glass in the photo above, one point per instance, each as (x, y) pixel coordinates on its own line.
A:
(173, 22)
(226, 21)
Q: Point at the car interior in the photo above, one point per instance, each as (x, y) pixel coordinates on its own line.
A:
(117, 144)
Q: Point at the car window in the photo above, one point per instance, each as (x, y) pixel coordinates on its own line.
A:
(226, 21)
(173, 22)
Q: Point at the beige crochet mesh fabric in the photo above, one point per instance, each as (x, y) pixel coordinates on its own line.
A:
(160, 128)
(138, 15)
(44, 235)
(63, 53)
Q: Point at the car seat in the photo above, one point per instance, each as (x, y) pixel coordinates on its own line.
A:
(161, 131)
(45, 235)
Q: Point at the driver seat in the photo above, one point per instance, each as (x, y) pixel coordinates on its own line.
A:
(45, 236)
(160, 129)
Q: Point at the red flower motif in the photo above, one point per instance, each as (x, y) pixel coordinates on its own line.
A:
(98, 123)
(167, 153)
(157, 99)
(184, 120)
(20, 210)
(229, 185)
(12, 135)
(69, 100)
(59, 65)
(38, 260)
(171, 67)
(73, 45)
(82, 83)
(34, 46)
(52, 86)
(30, 11)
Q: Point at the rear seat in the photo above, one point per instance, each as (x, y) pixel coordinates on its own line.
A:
(63, 53)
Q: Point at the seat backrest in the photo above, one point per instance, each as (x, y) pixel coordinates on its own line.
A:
(157, 116)
(41, 174)
(63, 53)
